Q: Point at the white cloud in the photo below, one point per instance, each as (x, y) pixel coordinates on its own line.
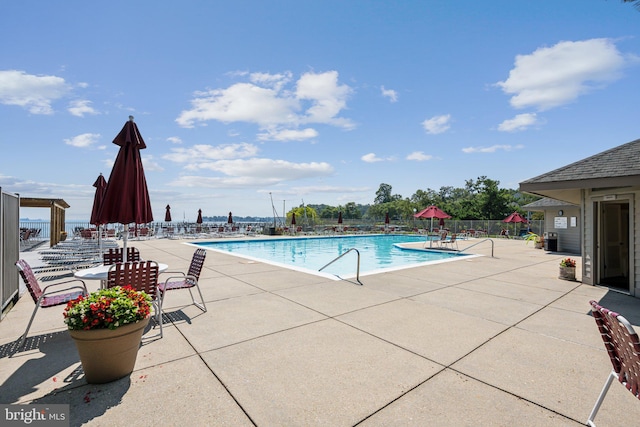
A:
(389, 93)
(316, 98)
(253, 172)
(81, 107)
(519, 122)
(201, 152)
(437, 124)
(35, 93)
(557, 75)
(419, 156)
(492, 149)
(84, 140)
(371, 158)
(174, 140)
(288, 134)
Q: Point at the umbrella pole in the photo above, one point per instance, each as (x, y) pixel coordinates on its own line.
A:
(125, 236)
(100, 238)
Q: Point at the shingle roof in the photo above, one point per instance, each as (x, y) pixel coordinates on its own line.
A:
(547, 202)
(618, 162)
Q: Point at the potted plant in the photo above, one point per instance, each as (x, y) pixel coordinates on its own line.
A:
(538, 240)
(567, 269)
(107, 327)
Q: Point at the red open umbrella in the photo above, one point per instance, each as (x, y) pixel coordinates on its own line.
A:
(432, 212)
(167, 214)
(515, 217)
(126, 198)
(199, 220)
(98, 198)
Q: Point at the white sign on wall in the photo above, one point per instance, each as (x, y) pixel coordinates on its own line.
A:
(560, 222)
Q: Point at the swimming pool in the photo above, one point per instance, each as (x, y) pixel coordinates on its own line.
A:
(378, 253)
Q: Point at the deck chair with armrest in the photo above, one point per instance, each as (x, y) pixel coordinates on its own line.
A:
(443, 237)
(449, 242)
(114, 255)
(141, 276)
(179, 280)
(623, 347)
(50, 296)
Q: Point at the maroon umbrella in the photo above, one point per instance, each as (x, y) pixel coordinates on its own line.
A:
(293, 218)
(386, 218)
(515, 217)
(432, 212)
(340, 217)
(199, 220)
(126, 198)
(98, 198)
(167, 214)
(230, 219)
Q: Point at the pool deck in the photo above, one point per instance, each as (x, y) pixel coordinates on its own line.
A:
(497, 341)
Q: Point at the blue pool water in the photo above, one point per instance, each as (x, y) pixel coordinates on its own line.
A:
(378, 253)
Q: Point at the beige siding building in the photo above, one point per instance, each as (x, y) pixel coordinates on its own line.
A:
(606, 189)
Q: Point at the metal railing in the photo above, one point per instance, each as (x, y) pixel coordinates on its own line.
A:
(340, 256)
(477, 243)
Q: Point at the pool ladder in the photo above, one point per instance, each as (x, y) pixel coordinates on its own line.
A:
(340, 256)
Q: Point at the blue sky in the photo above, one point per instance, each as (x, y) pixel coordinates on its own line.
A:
(322, 101)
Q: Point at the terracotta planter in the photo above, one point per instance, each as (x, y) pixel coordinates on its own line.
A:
(109, 354)
(567, 273)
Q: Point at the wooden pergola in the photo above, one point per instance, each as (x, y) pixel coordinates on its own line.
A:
(57, 207)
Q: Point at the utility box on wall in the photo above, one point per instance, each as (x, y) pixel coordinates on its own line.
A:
(9, 248)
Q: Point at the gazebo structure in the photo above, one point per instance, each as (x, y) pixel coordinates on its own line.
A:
(57, 207)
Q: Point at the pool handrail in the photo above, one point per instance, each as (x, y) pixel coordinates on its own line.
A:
(477, 243)
(340, 256)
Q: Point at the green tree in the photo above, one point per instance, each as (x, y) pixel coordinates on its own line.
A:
(383, 195)
(351, 211)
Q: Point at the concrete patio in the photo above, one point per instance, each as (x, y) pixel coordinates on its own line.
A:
(487, 341)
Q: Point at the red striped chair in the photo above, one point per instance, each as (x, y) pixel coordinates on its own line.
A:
(50, 296)
(623, 346)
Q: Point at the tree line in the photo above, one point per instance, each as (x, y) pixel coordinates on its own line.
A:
(480, 199)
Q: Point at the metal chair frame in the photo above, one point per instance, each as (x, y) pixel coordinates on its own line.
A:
(186, 281)
(141, 276)
(49, 296)
(623, 346)
(114, 255)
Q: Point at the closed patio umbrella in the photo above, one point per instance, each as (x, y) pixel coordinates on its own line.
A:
(293, 218)
(98, 198)
(167, 214)
(230, 219)
(126, 198)
(199, 219)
